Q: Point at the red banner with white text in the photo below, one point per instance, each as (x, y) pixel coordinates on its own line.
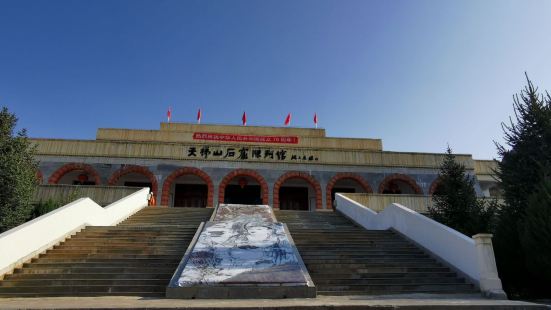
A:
(223, 137)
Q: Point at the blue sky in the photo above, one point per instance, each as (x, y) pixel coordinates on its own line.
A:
(417, 74)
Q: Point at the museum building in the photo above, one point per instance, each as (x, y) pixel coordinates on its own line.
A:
(201, 165)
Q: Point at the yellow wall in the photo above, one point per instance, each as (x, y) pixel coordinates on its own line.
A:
(305, 141)
(178, 151)
(173, 140)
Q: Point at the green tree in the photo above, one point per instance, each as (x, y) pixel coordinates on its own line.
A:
(536, 238)
(17, 173)
(455, 201)
(526, 153)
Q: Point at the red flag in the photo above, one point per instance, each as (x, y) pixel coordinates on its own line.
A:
(316, 119)
(288, 119)
(199, 116)
(244, 119)
(169, 113)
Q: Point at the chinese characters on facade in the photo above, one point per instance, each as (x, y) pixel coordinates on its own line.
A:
(247, 153)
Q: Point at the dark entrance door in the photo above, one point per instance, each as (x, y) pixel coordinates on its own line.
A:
(293, 198)
(190, 195)
(248, 195)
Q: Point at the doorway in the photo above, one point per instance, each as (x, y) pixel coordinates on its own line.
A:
(190, 195)
(293, 198)
(247, 195)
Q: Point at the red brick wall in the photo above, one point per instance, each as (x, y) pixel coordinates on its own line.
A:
(243, 172)
(340, 176)
(183, 171)
(300, 175)
(59, 173)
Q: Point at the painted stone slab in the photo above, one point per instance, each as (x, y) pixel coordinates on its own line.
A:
(242, 246)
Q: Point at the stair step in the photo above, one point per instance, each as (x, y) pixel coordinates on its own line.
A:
(57, 256)
(82, 282)
(67, 289)
(112, 270)
(87, 264)
(345, 259)
(383, 275)
(80, 294)
(100, 276)
(379, 281)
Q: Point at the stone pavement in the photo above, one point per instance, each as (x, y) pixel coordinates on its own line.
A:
(413, 301)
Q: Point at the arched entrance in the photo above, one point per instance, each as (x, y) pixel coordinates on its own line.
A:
(345, 183)
(243, 186)
(188, 187)
(297, 191)
(399, 184)
(39, 177)
(137, 176)
(75, 174)
(434, 186)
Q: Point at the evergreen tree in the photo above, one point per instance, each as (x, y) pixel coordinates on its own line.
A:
(455, 201)
(536, 238)
(17, 173)
(526, 153)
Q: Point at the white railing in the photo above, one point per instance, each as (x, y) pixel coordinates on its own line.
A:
(25, 241)
(101, 194)
(473, 257)
(377, 202)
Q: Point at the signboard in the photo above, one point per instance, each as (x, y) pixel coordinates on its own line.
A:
(224, 137)
(249, 153)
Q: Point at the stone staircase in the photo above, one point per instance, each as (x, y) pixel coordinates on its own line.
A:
(345, 259)
(136, 257)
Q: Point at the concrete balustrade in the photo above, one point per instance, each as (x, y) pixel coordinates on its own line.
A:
(25, 241)
(101, 194)
(471, 257)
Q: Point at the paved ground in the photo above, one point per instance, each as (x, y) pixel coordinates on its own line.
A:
(414, 301)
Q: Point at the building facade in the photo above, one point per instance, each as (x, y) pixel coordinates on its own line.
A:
(192, 165)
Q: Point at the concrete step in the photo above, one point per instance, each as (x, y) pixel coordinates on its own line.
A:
(75, 289)
(343, 258)
(351, 251)
(62, 293)
(372, 268)
(109, 269)
(56, 256)
(87, 264)
(384, 275)
(81, 282)
(72, 245)
(136, 258)
(148, 250)
(91, 276)
(384, 260)
(406, 287)
(378, 281)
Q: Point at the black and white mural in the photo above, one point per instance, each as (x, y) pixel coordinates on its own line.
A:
(243, 244)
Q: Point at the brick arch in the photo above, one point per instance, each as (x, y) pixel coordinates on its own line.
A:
(300, 175)
(39, 177)
(434, 185)
(59, 173)
(134, 169)
(342, 176)
(400, 177)
(243, 172)
(183, 171)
